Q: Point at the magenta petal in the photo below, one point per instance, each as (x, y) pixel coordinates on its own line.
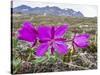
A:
(61, 48)
(81, 40)
(27, 32)
(42, 49)
(44, 32)
(29, 27)
(60, 31)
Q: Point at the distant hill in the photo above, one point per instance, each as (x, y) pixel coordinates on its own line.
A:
(47, 11)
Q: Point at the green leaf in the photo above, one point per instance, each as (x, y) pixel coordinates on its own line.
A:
(14, 42)
(16, 62)
(16, 65)
(48, 55)
(39, 60)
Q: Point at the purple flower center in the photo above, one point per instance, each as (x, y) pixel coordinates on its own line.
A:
(52, 41)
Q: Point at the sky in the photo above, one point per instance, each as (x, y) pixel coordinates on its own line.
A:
(86, 10)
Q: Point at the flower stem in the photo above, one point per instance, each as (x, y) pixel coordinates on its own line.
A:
(29, 57)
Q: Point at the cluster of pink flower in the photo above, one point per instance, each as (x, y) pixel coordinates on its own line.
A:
(50, 38)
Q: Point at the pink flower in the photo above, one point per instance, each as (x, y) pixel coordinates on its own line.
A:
(81, 40)
(52, 37)
(27, 32)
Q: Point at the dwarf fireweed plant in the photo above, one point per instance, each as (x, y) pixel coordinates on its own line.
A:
(51, 38)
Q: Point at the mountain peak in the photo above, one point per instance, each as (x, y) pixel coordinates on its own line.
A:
(23, 7)
(54, 10)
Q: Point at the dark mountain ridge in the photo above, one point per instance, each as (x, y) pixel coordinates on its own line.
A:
(47, 10)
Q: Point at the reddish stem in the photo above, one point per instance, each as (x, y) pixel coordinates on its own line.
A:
(73, 42)
(52, 50)
(34, 43)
